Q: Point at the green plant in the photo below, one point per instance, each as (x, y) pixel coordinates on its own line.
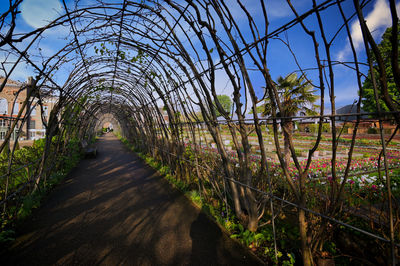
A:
(368, 100)
(290, 261)
(326, 128)
(280, 259)
(7, 235)
(195, 197)
(229, 225)
(64, 161)
(223, 101)
(330, 247)
(30, 202)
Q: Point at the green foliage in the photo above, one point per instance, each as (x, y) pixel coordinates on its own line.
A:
(290, 261)
(74, 155)
(368, 100)
(259, 109)
(5, 151)
(326, 128)
(195, 197)
(190, 153)
(28, 200)
(313, 128)
(295, 94)
(264, 240)
(366, 155)
(7, 236)
(103, 49)
(248, 238)
(180, 184)
(225, 102)
(330, 247)
(395, 178)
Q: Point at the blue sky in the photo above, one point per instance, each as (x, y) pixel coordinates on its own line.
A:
(36, 13)
(378, 19)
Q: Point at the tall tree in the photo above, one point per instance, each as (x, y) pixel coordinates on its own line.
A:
(259, 109)
(296, 95)
(368, 100)
(226, 103)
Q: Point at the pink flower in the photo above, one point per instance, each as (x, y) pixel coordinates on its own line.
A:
(351, 182)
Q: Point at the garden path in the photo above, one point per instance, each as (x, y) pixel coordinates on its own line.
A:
(115, 210)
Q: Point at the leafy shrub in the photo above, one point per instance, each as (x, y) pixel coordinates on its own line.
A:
(387, 131)
(26, 162)
(313, 128)
(7, 235)
(195, 197)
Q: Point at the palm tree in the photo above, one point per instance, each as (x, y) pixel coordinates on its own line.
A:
(296, 96)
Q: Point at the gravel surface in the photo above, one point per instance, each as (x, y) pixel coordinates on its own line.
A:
(115, 210)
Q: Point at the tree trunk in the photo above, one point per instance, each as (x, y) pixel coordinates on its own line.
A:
(287, 127)
(305, 247)
(252, 224)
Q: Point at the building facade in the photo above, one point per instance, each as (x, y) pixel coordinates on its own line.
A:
(10, 103)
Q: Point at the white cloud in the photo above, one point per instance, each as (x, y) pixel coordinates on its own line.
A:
(377, 21)
(278, 9)
(38, 13)
(343, 53)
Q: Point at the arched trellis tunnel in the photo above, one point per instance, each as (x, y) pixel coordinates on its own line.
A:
(157, 69)
(107, 121)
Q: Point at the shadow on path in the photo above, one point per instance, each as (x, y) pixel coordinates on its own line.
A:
(115, 210)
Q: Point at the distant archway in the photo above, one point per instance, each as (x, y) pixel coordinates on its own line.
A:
(108, 122)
